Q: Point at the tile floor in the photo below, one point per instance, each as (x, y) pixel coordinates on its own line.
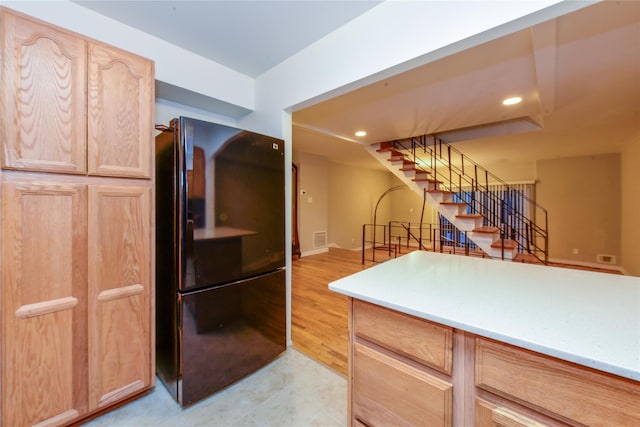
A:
(292, 391)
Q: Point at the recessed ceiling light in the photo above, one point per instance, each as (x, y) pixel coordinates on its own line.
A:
(361, 133)
(512, 100)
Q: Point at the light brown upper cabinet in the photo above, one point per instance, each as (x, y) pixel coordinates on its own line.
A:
(73, 105)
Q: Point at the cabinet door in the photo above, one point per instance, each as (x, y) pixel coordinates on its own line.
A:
(43, 97)
(121, 99)
(44, 346)
(119, 287)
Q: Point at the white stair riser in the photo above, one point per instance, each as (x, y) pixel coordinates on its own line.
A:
(497, 253)
(482, 239)
(455, 209)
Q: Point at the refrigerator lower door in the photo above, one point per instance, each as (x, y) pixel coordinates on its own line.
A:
(228, 332)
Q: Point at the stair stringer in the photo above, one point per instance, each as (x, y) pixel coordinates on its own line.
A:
(434, 198)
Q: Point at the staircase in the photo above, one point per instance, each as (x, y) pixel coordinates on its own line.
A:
(502, 223)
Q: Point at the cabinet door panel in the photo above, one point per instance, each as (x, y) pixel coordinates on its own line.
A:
(43, 303)
(120, 113)
(119, 286)
(43, 97)
(388, 392)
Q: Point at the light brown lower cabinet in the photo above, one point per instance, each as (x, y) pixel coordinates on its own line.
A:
(406, 371)
(76, 313)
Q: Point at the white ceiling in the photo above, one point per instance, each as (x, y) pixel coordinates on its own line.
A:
(247, 36)
(579, 76)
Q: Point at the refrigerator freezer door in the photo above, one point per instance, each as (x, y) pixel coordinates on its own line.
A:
(229, 332)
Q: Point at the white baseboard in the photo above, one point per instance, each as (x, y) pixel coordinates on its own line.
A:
(588, 264)
(314, 252)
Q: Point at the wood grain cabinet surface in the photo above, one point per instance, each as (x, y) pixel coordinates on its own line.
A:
(77, 224)
(395, 360)
(44, 104)
(407, 371)
(73, 105)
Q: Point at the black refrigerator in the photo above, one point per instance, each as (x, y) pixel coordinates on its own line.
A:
(220, 256)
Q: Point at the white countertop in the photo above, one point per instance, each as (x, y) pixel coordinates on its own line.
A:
(589, 318)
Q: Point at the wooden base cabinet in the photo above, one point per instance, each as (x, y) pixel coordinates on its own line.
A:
(394, 369)
(75, 299)
(76, 225)
(407, 371)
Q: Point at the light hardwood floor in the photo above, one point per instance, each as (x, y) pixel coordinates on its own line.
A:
(319, 316)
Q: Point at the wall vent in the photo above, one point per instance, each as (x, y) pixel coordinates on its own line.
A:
(319, 239)
(606, 259)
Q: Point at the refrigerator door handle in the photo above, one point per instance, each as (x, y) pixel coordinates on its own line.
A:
(189, 238)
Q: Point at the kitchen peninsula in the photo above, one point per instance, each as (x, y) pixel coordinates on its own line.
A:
(442, 340)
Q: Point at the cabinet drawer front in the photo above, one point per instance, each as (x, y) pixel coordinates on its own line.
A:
(389, 392)
(557, 388)
(409, 336)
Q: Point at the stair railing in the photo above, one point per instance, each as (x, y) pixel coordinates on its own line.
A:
(518, 217)
(399, 237)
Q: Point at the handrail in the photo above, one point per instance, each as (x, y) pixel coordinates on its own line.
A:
(430, 237)
(470, 181)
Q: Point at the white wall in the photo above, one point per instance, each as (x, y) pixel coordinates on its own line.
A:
(630, 179)
(583, 199)
(353, 194)
(167, 110)
(313, 205)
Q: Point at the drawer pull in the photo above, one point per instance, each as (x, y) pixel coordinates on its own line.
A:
(123, 292)
(46, 307)
(503, 417)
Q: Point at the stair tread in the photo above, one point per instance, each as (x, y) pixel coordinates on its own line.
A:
(386, 149)
(508, 244)
(396, 158)
(486, 229)
(426, 180)
(387, 144)
(441, 191)
(528, 258)
(453, 203)
(469, 216)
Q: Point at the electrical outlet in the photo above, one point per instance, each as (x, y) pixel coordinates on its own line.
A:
(576, 251)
